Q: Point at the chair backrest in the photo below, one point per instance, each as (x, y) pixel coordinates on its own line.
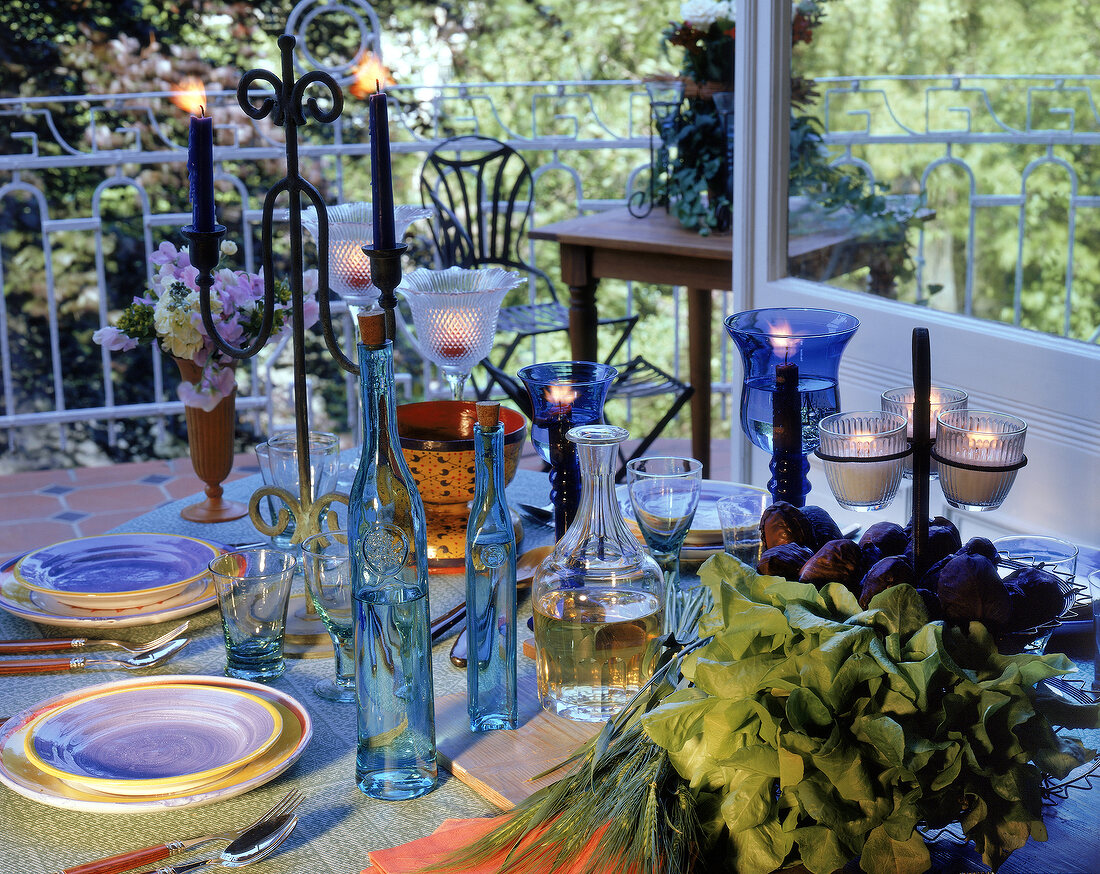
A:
(482, 193)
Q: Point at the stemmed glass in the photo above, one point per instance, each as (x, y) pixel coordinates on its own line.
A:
(664, 492)
(454, 312)
(328, 583)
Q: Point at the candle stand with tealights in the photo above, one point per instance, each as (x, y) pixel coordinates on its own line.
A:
(972, 486)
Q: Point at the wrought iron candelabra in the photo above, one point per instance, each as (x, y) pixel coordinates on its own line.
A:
(289, 107)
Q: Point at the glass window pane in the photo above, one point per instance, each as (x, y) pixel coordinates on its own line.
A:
(944, 153)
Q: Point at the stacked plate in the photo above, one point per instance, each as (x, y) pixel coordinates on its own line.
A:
(704, 538)
(144, 745)
(112, 579)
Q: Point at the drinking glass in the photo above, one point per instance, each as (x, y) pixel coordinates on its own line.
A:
(740, 519)
(269, 507)
(324, 466)
(664, 492)
(253, 587)
(327, 568)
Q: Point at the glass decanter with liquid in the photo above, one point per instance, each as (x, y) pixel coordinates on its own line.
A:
(598, 597)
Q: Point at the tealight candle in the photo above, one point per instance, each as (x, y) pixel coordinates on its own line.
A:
(941, 399)
(978, 439)
(862, 485)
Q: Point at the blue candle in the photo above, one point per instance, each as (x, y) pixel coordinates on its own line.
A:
(200, 170)
(381, 180)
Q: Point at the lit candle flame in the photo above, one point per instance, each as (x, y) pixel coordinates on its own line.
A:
(560, 397)
(368, 75)
(453, 337)
(191, 96)
(780, 334)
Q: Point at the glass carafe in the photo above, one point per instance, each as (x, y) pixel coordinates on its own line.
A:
(598, 597)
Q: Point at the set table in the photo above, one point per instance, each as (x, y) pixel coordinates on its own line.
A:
(337, 824)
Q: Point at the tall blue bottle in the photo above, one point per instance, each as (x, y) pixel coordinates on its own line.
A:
(490, 584)
(387, 540)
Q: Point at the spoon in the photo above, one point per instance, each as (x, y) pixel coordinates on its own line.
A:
(525, 575)
(257, 843)
(79, 663)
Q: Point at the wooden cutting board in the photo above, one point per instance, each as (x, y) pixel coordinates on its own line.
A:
(499, 765)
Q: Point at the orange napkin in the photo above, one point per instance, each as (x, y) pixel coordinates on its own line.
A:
(453, 835)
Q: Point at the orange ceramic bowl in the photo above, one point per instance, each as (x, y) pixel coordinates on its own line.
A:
(437, 438)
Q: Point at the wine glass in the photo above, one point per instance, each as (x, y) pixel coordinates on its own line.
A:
(664, 493)
(454, 312)
(327, 569)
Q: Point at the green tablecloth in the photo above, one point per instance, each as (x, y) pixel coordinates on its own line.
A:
(337, 823)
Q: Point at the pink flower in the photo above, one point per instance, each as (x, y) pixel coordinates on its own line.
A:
(166, 254)
(113, 339)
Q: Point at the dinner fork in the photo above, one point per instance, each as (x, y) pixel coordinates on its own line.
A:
(149, 855)
(13, 647)
(79, 663)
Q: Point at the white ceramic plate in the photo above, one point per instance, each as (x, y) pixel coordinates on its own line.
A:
(42, 608)
(706, 529)
(151, 739)
(115, 570)
(20, 775)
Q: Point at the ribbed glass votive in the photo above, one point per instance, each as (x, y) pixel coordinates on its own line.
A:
(941, 398)
(990, 445)
(863, 485)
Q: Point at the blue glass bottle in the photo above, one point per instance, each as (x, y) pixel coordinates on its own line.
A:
(387, 541)
(490, 584)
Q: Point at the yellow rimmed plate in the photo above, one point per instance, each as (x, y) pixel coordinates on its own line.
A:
(150, 739)
(20, 775)
(116, 570)
(39, 607)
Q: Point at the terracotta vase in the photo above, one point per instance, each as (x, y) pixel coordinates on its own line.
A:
(210, 439)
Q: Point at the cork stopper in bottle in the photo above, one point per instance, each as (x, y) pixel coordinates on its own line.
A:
(372, 329)
(488, 414)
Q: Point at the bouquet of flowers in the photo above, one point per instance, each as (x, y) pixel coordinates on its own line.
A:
(169, 314)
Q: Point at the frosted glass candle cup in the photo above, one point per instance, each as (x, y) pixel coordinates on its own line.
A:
(980, 439)
(941, 398)
(863, 485)
(740, 519)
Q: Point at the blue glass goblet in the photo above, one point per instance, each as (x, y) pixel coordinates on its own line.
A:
(564, 394)
(810, 340)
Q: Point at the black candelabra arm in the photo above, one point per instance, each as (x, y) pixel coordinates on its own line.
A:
(922, 445)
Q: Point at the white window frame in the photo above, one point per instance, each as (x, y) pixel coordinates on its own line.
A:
(1050, 382)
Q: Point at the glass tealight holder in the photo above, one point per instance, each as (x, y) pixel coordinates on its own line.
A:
(863, 454)
(454, 312)
(940, 398)
(979, 452)
(564, 395)
(350, 229)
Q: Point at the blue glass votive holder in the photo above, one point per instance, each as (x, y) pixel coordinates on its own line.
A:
(564, 394)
